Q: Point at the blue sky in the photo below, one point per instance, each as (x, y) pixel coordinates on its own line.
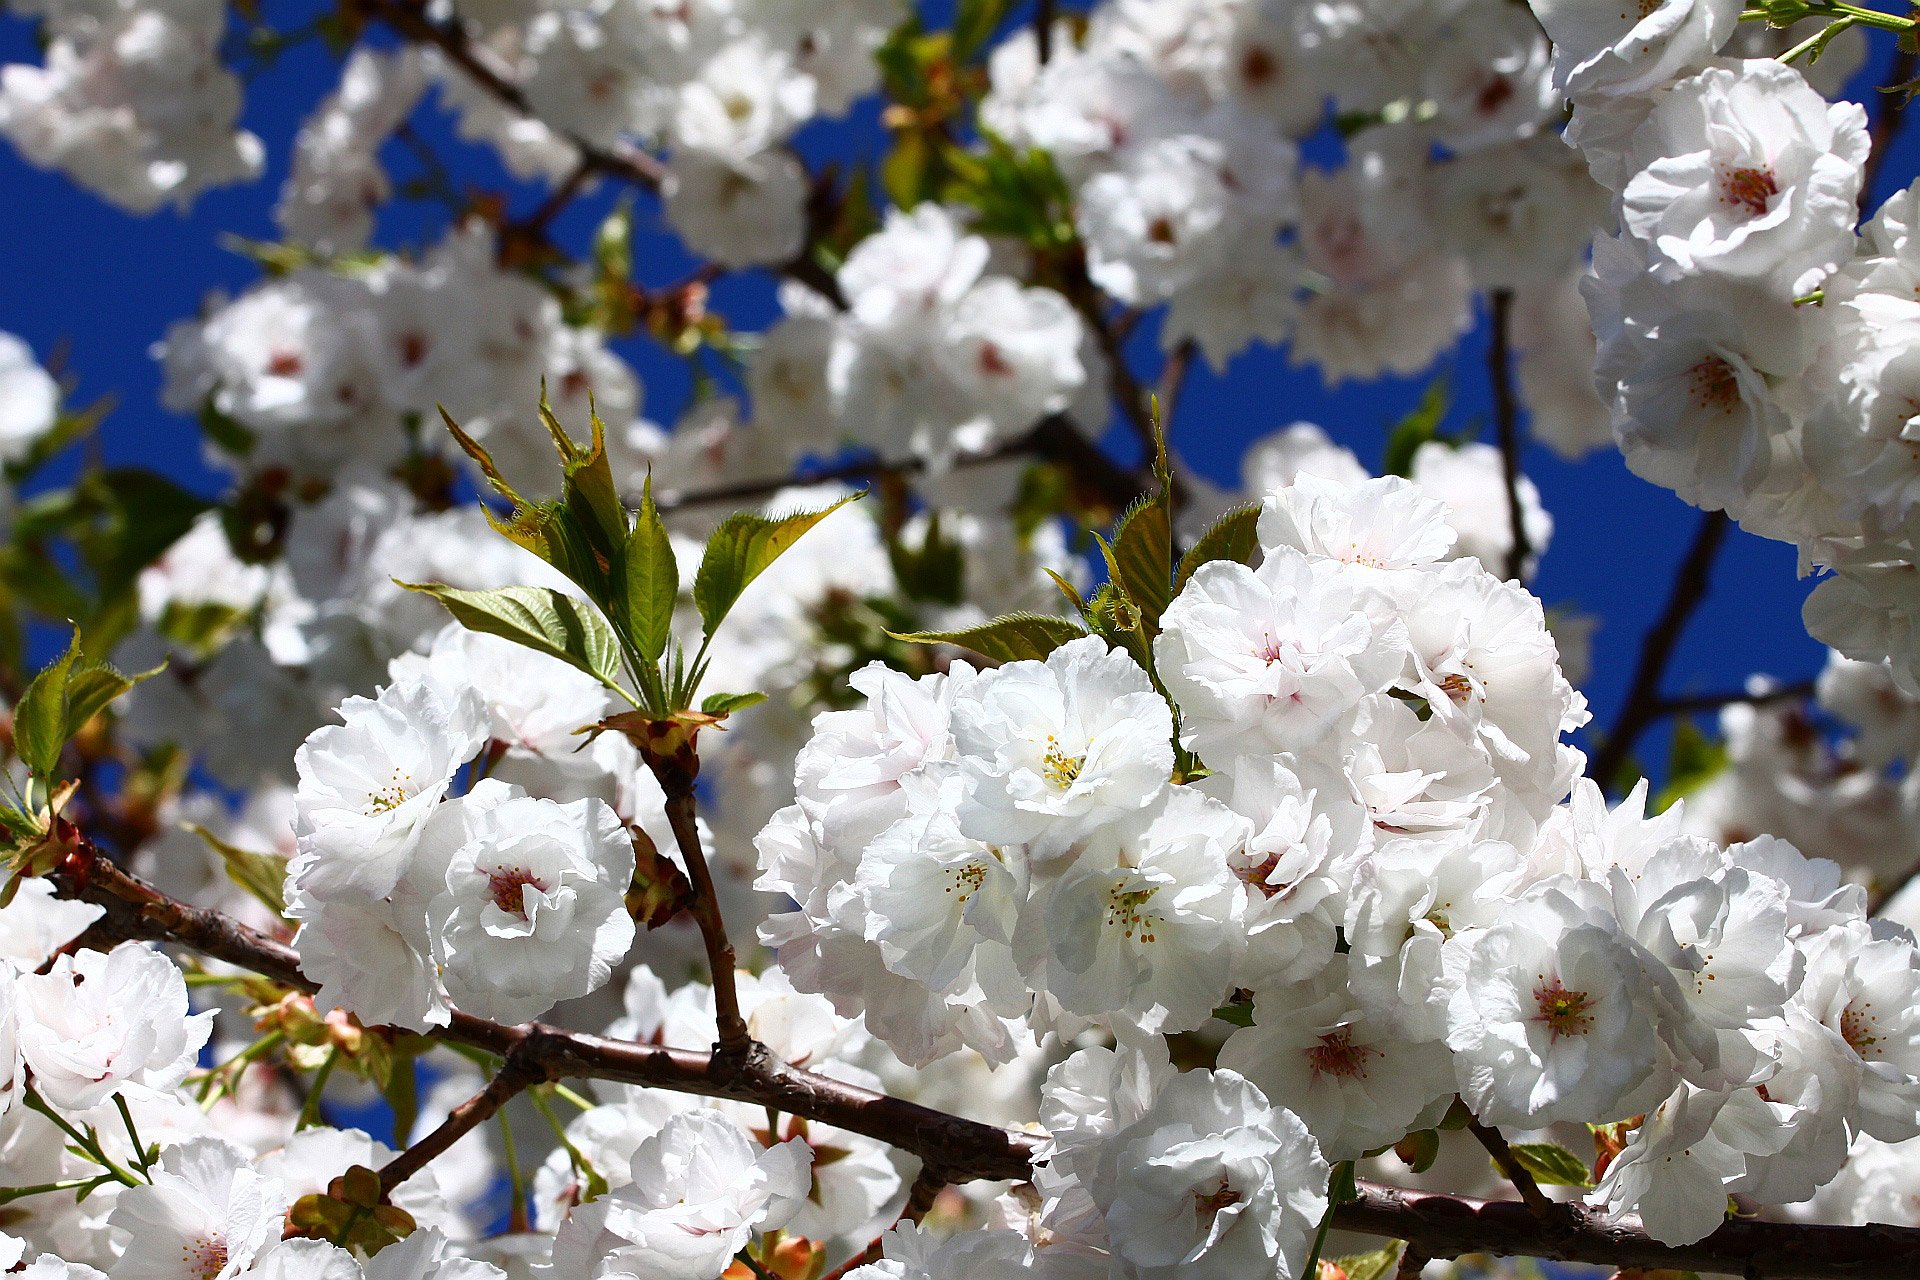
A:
(104, 285)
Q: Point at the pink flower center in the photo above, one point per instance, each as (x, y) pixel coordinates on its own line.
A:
(1714, 384)
(1751, 189)
(508, 889)
(205, 1257)
(1564, 1011)
(1338, 1055)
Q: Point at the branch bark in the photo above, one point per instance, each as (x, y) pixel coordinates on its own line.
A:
(961, 1150)
(1643, 701)
(1506, 417)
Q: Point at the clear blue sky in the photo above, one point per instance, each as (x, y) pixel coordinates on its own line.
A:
(105, 285)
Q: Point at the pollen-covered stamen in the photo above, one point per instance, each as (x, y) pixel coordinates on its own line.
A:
(1061, 769)
(1859, 1030)
(1564, 1011)
(1125, 911)
(204, 1257)
(398, 791)
(1752, 189)
(1208, 1204)
(966, 880)
(1457, 687)
(1714, 385)
(507, 886)
(1257, 875)
(1338, 1055)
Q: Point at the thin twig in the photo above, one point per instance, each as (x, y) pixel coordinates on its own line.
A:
(1506, 418)
(1886, 124)
(1412, 1263)
(1043, 29)
(1643, 700)
(520, 1070)
(732, 1028)
(1538, 1203)
(1173, 380)
(1697, 702)
(926, 1188)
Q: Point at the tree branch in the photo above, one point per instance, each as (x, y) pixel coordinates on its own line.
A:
(731, 1026)
(1536, 1200)
(1641, 707)
(1506, 417)
(961, 1150)
(1694, 702)
(521, 1069)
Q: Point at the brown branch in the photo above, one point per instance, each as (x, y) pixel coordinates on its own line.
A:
(1696, 702)
(732, 1028)
(1537, 1201)
(1641, 707)
(926, 1188)
(1043, 30)
(1412, 1263)
(521, 1069)
(1439, 1226)
(1886, 125)
(1506, 418)
(1104, 483)
(411, 21)
(1173, 380)
(1447, 1226)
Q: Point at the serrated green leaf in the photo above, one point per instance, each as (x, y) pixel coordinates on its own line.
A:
(720, 704)
(1017, 637)
(540, 618)
(1142, 558)
(1378, 1265)
(740, 549)
(262, 875)
(1232, 537)
(1552, 1165)
(653, 580)
(40, 717)
(92, 686)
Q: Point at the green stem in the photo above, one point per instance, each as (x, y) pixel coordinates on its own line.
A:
(310, 1109)
(754, 1266)
(585, 1104)
(217, 1085)
(139, 1147)
(88, 1143)
(1816, 43)
(9, 1194)
(517, 1214)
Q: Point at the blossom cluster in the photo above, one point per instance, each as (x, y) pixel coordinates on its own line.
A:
(1375, 857)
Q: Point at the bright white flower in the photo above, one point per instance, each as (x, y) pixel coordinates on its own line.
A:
(737, 212)
(1272, 659)
(1353, 1077)
(29, 398)
(36, 924)
(1746, 171)
(1052, 750)
(1469, 478)
(910, 1253)
(1211, 1179)
(1420, 779)
(299, 1259)
(1278, 459)
(1144, 922)
(700, 1189)
(426, 1255)
(534, 702)
(901, 277)
(370, 958)
(312, 1158)
(207, 1215)
(1604, 51)
(1685, 1158)
(744, 100)
(1016, 350)
(533, 910)
(1552, 1020)
(12, 1070)
(1382, 524)
(368, 786)
(937, 898)
(1863, 981)
(100, 1023)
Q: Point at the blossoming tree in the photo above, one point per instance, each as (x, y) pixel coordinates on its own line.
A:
(871, 827)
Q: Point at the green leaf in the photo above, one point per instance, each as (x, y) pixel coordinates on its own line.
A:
(974, 24)
(1232, 537)
(653, 580)
(591, 496)
(540, 618)
(229, 435)
(1381, 1264)
(40, 719)
(262, 875)
(743, 546)
(1692, 762)
(935, 571)
(1142, 559)
(1239, 1013)
(92, 686)
(1419, 1149)
(1552, 1165)
(1416, 429)
(721, 704)
(1016, 637)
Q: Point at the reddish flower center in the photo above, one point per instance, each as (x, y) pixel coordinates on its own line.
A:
(1564, 1011)
(1714, 384)
(507, 886)
(205, 1257)
(1751, 189)
(1338, 1055)
(1208, 1204)
(1857, 1028)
